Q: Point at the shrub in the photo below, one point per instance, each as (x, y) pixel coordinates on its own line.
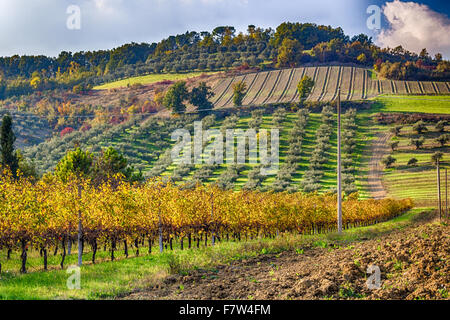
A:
(65, 131)
(443, 139)
(389, 161)
(418, 143)
(394, 145)
(239, 91)
(440, 126)
(412, 162)
(420, 127)
(396, 130)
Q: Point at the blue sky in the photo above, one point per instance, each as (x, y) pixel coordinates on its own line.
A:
(39, 27)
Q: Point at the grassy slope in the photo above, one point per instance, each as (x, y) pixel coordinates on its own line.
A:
(151, 78)
(108, 280)
(420, 104)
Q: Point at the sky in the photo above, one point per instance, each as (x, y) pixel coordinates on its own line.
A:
(48, 27)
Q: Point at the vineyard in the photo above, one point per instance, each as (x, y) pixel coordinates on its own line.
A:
(45, 215)
(280, 86)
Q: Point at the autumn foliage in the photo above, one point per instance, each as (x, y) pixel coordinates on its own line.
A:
(45, 214)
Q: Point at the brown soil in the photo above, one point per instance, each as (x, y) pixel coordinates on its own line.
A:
(378, 150)
(413, 264)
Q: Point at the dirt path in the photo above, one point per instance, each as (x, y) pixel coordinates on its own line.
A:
(379, 149)
(413, 264)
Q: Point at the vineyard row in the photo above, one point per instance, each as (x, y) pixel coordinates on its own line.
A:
(45, 215)
(280, 86)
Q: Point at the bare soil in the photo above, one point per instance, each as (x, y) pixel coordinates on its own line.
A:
(414, 264)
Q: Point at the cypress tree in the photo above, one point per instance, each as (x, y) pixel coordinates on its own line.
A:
(7, 139)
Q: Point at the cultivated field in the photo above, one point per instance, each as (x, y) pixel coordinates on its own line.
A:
(151, 78)
(280, 86)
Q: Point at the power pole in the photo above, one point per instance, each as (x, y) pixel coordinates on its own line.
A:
(439, 189)
(339, 169)
(446, 194)
(213, 240)
(80, 231)
(161, 246)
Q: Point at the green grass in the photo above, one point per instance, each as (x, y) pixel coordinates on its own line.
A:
(151, 78)
(420, 104)
(107, 280)
(417, 182)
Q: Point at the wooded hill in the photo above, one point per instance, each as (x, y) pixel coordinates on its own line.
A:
(289, 45)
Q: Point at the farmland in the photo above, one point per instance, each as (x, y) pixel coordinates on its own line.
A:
(417, 181)
(307, 164)
(279, 86)
(416, 104)
(151, 78)
(147, 145)
(308, 146)
(285, 162)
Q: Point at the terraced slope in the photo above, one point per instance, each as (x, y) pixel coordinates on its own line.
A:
(280, 86)
(247, 176)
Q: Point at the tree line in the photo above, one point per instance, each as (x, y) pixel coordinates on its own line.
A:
(290, 44)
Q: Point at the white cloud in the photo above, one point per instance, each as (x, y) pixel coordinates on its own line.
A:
(415, 26)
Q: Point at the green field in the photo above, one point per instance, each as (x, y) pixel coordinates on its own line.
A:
(419, 104)
(151, 78)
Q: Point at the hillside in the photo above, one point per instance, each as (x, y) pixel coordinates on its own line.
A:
(280, 86)
(146, 143)
(223, 49)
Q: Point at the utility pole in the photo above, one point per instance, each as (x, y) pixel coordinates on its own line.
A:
(439, 189)
(161, 246)
(80, 230)
(446, 194)
(339, 169)
(213, 240)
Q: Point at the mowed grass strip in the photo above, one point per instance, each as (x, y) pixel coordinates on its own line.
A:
(151, 78)
(414, 104)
